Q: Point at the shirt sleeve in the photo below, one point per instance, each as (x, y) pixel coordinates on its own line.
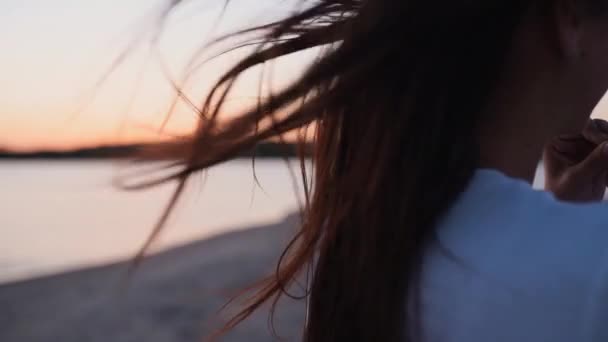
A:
(595, 316)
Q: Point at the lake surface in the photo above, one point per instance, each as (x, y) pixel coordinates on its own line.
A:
(57, 216)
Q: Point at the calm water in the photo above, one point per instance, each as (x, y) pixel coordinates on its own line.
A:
(57, 216)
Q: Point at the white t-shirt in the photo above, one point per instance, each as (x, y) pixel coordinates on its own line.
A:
(513, 264)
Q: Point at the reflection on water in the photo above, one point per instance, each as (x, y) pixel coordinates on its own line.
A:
(63, 215)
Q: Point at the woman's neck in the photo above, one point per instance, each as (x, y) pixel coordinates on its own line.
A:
(518, 122)
(514, 154)
(527, 108)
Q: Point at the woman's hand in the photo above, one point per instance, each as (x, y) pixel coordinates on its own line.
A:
(576, 166)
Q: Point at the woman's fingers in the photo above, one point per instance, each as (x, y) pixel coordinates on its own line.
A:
(573, 148)
(595, 164)
(596, 131)
(576, 166)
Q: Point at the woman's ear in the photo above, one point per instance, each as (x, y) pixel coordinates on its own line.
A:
(568, 19)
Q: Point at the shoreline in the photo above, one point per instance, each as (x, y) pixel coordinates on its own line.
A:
(172, 297)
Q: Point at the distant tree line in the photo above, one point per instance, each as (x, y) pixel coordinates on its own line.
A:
(263, 150)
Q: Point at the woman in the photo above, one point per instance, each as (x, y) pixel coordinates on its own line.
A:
(430, 118)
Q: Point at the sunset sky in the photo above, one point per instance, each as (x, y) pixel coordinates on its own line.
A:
(53, 53)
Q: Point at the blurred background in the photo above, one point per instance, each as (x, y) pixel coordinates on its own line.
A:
(83, 82)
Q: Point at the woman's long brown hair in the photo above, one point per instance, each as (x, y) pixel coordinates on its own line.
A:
(394, 97)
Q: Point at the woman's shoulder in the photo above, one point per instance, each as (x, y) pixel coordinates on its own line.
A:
(586, 221)
(501, 217)
(561, 256)
(509, 200)
(545, 259)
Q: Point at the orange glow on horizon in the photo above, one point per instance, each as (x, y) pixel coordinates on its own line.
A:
(54, 53)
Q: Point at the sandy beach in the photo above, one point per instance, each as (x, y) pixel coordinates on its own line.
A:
(173, 297)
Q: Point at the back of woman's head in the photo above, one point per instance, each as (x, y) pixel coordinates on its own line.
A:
(395, 100)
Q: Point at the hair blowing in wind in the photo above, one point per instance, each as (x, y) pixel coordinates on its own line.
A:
(393, 99)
